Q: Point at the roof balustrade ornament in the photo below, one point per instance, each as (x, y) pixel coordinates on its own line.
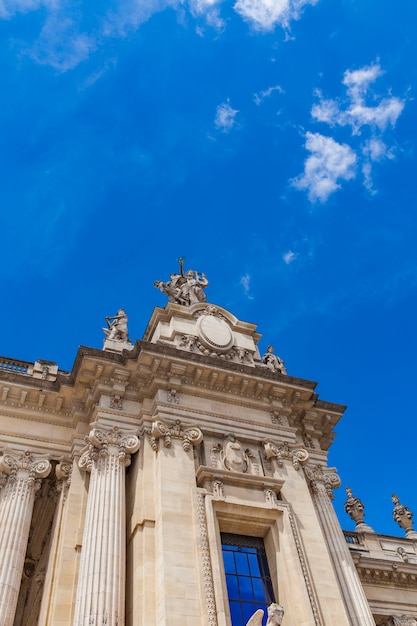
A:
(404, 517)
(184, 288)
(355, 508)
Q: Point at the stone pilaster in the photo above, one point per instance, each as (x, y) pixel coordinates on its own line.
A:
(101, 582)
(322, 482)
(21, 476)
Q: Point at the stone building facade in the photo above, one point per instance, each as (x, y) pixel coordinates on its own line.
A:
(130, 484)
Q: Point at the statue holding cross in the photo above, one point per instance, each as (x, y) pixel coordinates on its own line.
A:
(185, 289)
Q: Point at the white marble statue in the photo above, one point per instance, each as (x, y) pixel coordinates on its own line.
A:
(117, 327)
(275, 615)
(272, 361)
(185, 289)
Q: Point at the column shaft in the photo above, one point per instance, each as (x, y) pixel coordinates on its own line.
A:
(16, 508)
(352, 590)
(101, 583)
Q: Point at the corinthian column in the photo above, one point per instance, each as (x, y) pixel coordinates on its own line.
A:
(101, 581)
(322, 482)
(20, 479)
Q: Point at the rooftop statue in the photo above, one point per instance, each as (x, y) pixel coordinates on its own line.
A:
(117, 327)
(272, 361)
(185, 289)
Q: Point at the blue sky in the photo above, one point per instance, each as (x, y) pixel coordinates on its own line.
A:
(272, 143)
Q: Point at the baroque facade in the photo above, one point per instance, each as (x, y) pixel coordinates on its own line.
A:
(183, 480)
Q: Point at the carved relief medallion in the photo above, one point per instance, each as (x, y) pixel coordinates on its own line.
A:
(214, 333)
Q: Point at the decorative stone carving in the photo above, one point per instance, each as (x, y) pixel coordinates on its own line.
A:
(101, 581)
(298, 456)
(185, 289)
(204, 550)
(21, 476)
(116, 402)
(276, 418)
(162, 429)
(402, 554)
(275, 615)
(325, 476)
(399, 620)
(232, 456)
(117, 327)
(172, 396)
(218, 489)
(404, 518)
(356, 511)
(272, 361)
(271, 497)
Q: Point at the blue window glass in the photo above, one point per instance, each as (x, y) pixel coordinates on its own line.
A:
(247, 577)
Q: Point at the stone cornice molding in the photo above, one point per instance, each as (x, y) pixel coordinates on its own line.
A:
(24, 466)
(103, 442)
(285, 451)
(320, 477)
(166, 430)
(377, 573)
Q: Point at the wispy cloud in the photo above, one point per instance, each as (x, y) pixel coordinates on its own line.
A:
(259, 97)
(289, 257)
(245, 282)
(328, 163)
(225, 117)
(357, 113)
(64, 41)
(352, 110)
(267, 14)
(210, 10)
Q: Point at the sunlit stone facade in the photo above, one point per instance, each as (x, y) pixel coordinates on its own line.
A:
(120, 478)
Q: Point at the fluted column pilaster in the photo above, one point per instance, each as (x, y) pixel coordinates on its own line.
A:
(101, 582)
(21, 476)
(322, 482)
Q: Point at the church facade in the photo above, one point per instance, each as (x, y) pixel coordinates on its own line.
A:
(182, 480)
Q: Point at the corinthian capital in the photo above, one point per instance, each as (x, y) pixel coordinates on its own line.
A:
(24, 466)
(324, 476)
(102, 443)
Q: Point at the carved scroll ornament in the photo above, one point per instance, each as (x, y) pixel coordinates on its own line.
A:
(161, 429)
(283, 451)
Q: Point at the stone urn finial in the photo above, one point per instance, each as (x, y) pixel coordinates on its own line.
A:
(356, 511)
(404, 517)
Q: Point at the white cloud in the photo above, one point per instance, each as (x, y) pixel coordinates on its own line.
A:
(225, 117)
(9, 8)
(61, 45)
(358, 114)
(328, 163)
(259, 97)
(245, 282)
(266, 14)
(289, 257)
(355, 111)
